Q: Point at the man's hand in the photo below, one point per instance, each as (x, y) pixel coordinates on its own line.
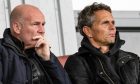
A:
(42, 47)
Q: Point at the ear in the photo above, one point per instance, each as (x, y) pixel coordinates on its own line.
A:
(87, 31)
(16, 27)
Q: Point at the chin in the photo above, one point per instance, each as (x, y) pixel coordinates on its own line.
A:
(112, 41)
(30, 46)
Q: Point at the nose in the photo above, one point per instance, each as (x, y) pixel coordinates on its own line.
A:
(41, 29)
(112, 26)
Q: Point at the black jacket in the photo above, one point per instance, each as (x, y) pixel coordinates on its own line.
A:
(90, 66)
(16, 68)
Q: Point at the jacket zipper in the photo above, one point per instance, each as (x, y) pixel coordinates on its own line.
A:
(105, 72)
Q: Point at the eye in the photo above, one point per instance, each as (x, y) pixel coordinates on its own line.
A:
(105, 22)
(36, 23)
(43, 24)
(113, 22)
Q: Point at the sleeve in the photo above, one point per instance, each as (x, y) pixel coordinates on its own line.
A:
(56, 71)
(76, 70)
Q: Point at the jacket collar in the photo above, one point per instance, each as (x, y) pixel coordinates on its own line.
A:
(11, 40)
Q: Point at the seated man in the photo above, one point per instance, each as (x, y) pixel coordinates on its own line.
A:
(25, 56)
(100, 59)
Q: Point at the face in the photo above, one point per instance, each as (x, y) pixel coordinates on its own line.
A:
(103, 29)
(32, 25)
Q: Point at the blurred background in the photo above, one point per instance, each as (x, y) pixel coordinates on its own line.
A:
(61, 20)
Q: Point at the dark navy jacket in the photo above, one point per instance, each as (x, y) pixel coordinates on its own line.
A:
(15, 67)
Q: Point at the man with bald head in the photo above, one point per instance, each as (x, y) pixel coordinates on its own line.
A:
(25, 56)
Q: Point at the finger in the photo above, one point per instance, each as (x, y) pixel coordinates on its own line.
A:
(39, 42)
(37, 37)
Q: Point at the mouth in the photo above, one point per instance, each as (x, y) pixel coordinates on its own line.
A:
(112, 35)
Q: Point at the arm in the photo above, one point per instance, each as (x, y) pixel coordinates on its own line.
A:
(50, 63)
(75, 66)
(56, 71)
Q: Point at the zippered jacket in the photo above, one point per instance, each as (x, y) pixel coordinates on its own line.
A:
(16, 68)
(90, 66)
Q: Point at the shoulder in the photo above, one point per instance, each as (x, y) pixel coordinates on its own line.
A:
(76, 62)
(6, 51)
(3, 46)
(78, 69)
(130, 54)
(75, 58)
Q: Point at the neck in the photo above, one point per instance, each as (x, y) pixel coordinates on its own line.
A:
(104, 49)
(101, 47)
